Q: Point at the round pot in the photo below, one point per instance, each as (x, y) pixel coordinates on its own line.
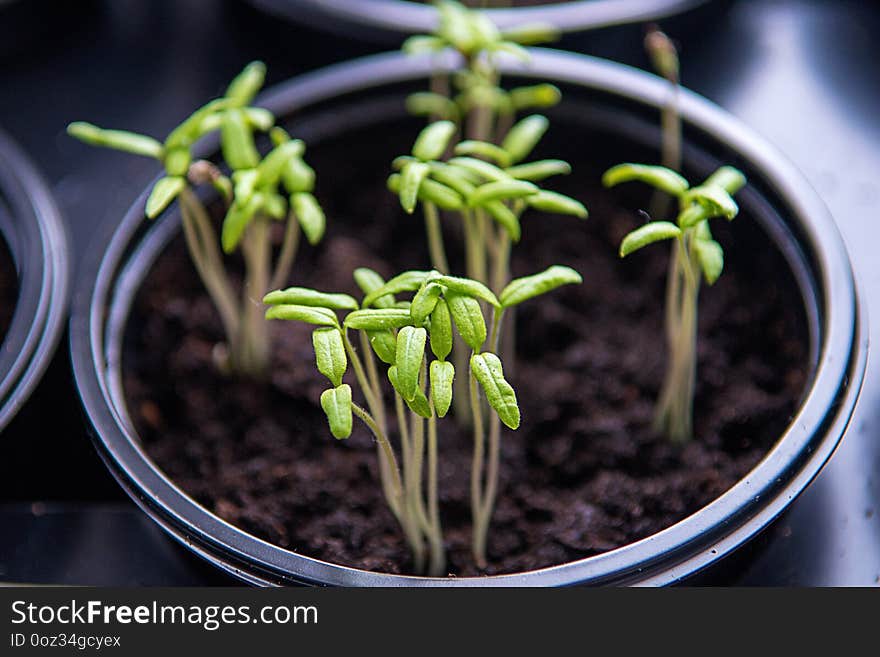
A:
(34, 232)
(369, 90)
(389, 20)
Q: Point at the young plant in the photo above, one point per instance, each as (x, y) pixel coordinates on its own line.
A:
(413, 339)
(695, 256)
(488, 198)
(277, 187)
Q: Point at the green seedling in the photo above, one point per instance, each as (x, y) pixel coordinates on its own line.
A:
(412, 339)
(259, 190)
(695, 256)
(487, 188)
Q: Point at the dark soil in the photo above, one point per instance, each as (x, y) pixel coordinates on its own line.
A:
(583, 475)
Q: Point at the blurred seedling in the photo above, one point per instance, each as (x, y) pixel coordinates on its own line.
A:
(258, 191)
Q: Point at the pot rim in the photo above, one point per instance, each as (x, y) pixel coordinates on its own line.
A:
(689, 545)
(406, 17)
(37, 239)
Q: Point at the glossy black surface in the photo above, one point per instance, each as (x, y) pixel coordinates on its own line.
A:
(801, 73)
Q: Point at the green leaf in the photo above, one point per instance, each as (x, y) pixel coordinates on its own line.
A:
(711, 258)
(303, 296)
(410, 354)
(298, 176)
(330, 354)
(307, 314)
(419, 404)
(245, 184)
(237, 141)
(501, 190)
(270, 169)
(177, 161)
(528, 287)
(375, 319)
(727, 178)
(487, 370)
(384, 344)
(557, 203)
(460, 180)
(336, 403)
(440, 195)
(411, 177)
(368, 281)
(506, 219)
(484, 170)
(659, 177)
(246, 84)
(469, 287)
(310, 216)
(274, 205)
(654, 231)
(441, 330)
(119, 140)
(442, 374)
(531, 34)
(483, 149)
(164, 191)
(237, 219)
(418, 44)
(433, 140)
(408, 281)
(468, 318)
(259, 118)
(512, 49)
(426, 103)
(540, 170)
(203, 120)
(425, 301)
(535, 96)
(715, 200)
(524, 136)
(455, 27)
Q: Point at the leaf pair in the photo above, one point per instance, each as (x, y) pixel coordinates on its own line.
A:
(697, 205)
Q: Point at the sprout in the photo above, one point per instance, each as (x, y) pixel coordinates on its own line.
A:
(259, 190)
(695, 256)
(413, 339)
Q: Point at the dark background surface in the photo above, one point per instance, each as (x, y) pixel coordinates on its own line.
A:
(801, 73)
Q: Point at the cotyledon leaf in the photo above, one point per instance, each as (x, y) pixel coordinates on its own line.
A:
(307, 314)
(336, 404)
(330, 354)
(527, 287)
(468, 318)
(487, 370)
(410, 354)
(654, 231)
(442, 373)
(302, 296)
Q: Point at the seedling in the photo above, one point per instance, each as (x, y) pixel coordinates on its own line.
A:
(413, 339)
(695, 256)
(259, 190)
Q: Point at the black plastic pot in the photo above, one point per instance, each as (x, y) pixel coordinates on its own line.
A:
(34, 232)
(623, 100)
(389, 20)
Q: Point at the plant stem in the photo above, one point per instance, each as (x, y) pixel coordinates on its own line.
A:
(407, 522)
(478, 546)
(201, 242)
(435, 238)
(249, 352)
(674, 414)
(438, 556)
(287, 255)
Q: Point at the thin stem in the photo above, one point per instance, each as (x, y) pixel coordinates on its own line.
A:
(435, 238)
(249, 351)
(213, 278)
(287, 255)
(438, 556)
(478, 546)
(373, 376)
(361, 375)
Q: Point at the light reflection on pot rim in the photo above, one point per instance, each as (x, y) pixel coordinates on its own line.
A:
(408, 17)
(684, 548)
(37, 239)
